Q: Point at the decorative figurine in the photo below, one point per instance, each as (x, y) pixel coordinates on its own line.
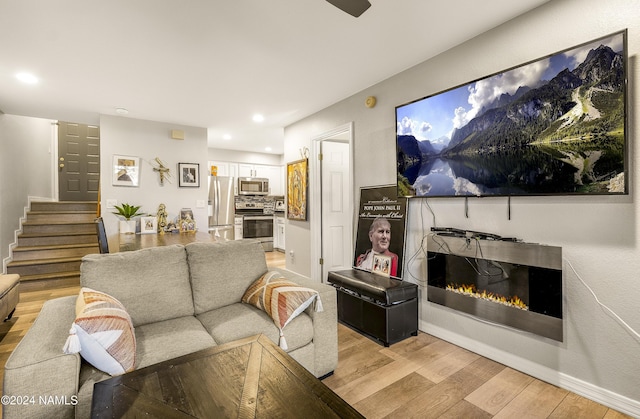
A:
(187, 224)
(162, 218)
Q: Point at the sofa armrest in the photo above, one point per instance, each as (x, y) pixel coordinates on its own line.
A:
(40, 380)
(325, 323)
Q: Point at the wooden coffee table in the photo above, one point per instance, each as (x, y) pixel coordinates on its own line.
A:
(248, 378)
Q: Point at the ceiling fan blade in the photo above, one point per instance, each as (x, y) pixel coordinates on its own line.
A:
(353, 7)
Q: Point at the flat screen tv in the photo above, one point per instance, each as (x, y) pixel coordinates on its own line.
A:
(553, 126)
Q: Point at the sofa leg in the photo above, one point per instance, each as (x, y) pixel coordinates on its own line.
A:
(10, 315)
(329, 374)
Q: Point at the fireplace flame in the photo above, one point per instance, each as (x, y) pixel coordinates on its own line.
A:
(471, 291)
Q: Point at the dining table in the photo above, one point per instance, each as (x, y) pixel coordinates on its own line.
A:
(128, 242)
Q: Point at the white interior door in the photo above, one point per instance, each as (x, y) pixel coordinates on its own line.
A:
(336, 204)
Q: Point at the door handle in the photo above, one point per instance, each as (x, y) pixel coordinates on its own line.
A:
(61, 165)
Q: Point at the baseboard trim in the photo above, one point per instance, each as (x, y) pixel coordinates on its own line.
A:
(603, 396)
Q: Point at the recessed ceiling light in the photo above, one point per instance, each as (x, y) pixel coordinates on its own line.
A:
(258, 118)
(226, 137)
(267, 149)
(122, 111)
(27, 78)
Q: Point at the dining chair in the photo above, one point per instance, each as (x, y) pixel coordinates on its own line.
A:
(102, 236)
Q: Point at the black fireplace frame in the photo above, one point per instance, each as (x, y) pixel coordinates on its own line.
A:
(547, 258)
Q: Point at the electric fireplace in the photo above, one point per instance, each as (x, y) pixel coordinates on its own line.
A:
(500, 280)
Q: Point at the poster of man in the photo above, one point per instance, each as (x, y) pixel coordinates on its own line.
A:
(381, 226)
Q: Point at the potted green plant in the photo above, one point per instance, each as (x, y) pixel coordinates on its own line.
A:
(126, 213)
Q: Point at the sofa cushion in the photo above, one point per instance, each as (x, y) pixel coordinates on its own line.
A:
(103, 333)
(169, 339)
(240, 320)
(152, 284)
(281, 299)
(221, 272)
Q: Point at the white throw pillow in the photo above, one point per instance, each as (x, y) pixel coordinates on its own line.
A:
(103, 333)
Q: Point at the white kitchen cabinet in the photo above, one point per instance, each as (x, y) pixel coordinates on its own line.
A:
(256, 170)
(237, 228)
(225, 168)
(278, 233)
(275, 176)
(247, 170)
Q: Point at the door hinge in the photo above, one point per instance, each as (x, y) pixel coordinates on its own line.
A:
(321, 261)
(320, 156)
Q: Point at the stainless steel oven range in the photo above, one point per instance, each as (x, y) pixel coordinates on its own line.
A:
(255, 223)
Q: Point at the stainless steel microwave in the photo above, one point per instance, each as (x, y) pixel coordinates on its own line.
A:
(253, 186)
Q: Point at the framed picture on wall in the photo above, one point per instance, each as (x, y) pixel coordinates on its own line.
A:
(126, 171)
(188, 175)
(297, 179)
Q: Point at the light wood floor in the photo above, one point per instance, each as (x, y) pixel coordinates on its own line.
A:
(419, 377)
(425, 377)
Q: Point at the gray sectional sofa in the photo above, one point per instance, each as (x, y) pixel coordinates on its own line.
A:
(181, 299)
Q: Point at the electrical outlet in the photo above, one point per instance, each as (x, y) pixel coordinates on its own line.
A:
(111, 203)
(200, 203)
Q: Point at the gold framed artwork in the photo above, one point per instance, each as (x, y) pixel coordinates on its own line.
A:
(297, 180)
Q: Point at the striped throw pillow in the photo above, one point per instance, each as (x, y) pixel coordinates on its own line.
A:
(281, 299)
(103, 333)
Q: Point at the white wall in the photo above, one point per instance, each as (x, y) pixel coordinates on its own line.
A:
(26, 159)
(148, 140)
(245, 157)
(599, 358)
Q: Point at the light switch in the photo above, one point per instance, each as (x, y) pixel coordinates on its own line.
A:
(111, 203)
(200, 203)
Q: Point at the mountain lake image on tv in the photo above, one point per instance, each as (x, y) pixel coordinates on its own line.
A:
(554, 126)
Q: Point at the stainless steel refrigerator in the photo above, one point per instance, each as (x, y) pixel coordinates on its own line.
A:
(221, 206)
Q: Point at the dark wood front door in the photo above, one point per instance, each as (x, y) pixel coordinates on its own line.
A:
(78, 162)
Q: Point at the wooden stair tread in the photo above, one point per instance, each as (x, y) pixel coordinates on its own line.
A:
(54, 247)
(72, 233)
(14, 263)
(63, 202)
(52, 275)
(44, 223)
(59, 212)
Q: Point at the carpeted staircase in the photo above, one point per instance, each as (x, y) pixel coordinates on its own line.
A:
(55, 236)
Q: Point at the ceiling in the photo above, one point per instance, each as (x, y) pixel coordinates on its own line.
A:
(215, 63)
